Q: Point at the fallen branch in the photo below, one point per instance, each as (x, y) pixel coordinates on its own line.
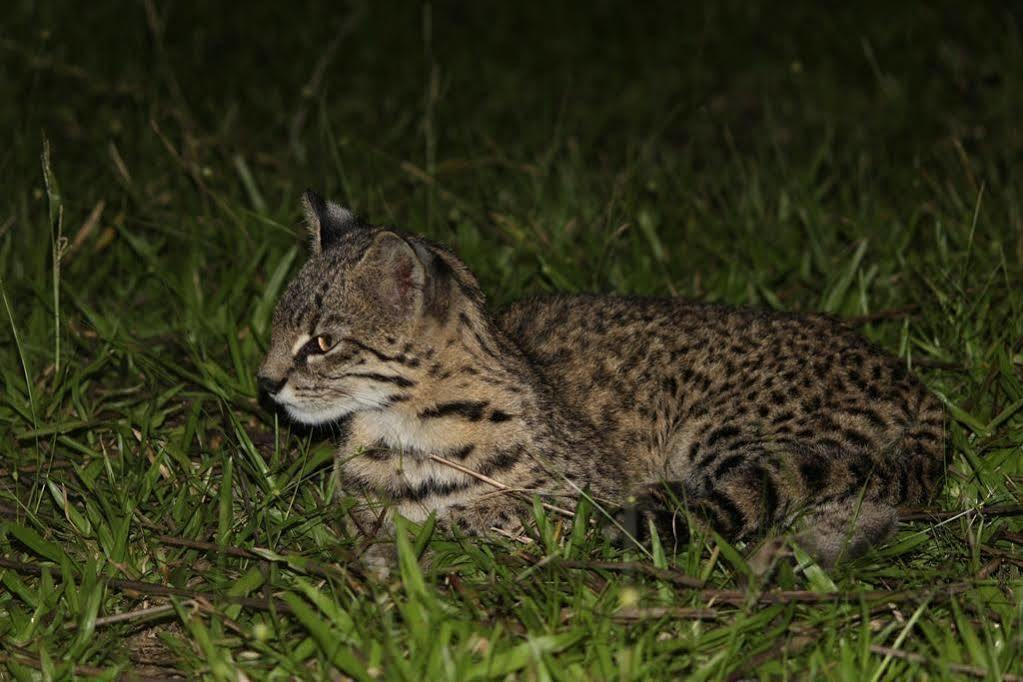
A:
(136, 614)
(32, 662)
(741, 597)
(658, 612)
(972, 670)
(163, 590)
(665, 574)
(263, 554)
(994, 511)
(497, 484)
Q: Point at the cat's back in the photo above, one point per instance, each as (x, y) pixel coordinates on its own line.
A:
(571, 337)
(663, 372)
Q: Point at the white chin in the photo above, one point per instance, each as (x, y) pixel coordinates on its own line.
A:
(313, 418)
(345, 405)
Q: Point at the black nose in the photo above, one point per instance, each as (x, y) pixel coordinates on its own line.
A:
(271, 386)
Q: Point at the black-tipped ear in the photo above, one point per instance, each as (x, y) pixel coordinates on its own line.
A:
(326, 221)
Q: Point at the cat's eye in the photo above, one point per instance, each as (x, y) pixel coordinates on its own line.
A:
(318, 345)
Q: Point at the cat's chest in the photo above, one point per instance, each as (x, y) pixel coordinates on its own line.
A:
(401, 432)
(393, 457)
(388, 451)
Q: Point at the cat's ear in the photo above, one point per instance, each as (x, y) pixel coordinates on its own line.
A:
(392, 273)
(326, 221)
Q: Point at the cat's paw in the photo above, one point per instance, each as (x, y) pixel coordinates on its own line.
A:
(768, 556)
(631, 523)
(380, 560)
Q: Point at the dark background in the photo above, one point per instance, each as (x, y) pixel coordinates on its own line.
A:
(877, 84)
(861, 159)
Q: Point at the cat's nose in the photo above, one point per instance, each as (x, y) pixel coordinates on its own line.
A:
(271, 386)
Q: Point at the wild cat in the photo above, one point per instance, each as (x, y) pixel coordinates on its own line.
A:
(751, 419)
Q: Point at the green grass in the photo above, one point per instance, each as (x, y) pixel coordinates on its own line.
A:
(864, 161)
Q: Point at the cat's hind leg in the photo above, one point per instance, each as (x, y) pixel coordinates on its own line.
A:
(831, 533)
(835, 504)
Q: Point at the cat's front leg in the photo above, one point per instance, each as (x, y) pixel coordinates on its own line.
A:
(367, 519)
(377, 548)
(370, 524)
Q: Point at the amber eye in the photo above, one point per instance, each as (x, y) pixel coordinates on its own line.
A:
(318, 345)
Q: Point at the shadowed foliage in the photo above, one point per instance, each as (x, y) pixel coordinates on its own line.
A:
(862, 161)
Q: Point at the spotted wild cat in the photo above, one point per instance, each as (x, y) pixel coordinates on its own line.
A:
(752, 419)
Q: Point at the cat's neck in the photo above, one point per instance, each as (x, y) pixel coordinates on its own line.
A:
(474, 389)
(478, 406)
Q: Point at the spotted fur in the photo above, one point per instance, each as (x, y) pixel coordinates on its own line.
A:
(751, 419)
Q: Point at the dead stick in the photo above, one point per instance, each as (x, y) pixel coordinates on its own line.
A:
(136, 614)
(239, 552)
(635, 567)
(84, 670)
(973, 670)
(739, 597)
(657, 612)
(993, 511)
(257, 553)
(497, 484)
(161, 590)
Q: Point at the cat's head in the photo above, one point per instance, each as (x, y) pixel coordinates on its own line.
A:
(350, 330)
